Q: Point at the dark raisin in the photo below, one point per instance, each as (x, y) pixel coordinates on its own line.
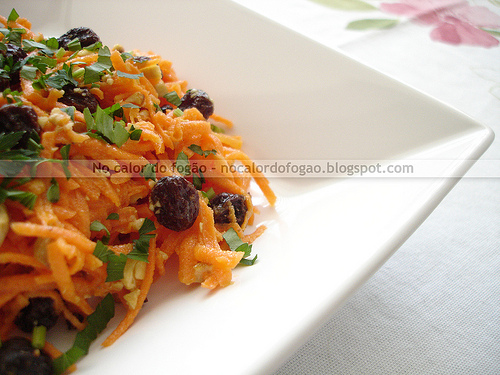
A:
(198, 99)
(220, 205)
(85, 35)
(18, 356)
(10, 62)
(175, 203)
(80, 98)
(14, 118)
(40, 311)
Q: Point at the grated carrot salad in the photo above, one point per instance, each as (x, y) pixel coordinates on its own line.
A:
(48, 251)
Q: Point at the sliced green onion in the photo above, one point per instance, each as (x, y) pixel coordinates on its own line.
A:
(78, 73)
(173, 98)
(178, 112)
(60, 53)
(38, 339)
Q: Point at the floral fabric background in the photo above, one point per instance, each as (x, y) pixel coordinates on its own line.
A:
(452, 21)
(433, 307)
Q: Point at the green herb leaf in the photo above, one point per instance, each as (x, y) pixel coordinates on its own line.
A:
(65, 155)
(209, 194)
(94, 72)
(28, 72)
(182, 164)
(70, 111)
(102, 126)
(135, 134)
(97, 226)
(42, 63)
(197, 149)
(12, 96)
(120, 134)
(130, 105)
(126, 55)
(13, 15)
(149, 172)
(113, 216)
(53, 191)
(96, 322)
(9, 140)
(26, 198)
(115, 110)
(94, 47)
(13, 36)
(65, 149)
(141, 245)
(198, 181)
(147, 226)
(129, 75)
(61, 78)
(115, 267)
(30, 45)
(115, 263)
(236, 244)
(248, 262)
(141, 248)
(102, 252)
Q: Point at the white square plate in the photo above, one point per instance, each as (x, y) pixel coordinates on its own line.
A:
(292, 100)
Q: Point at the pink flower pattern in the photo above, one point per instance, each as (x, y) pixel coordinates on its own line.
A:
(455, 21)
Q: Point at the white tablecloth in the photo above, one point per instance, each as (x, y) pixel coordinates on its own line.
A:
(434, 307)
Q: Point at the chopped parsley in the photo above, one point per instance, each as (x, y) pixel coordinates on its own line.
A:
(97, 226)
(94, 72)
(12, 96)
(53, 191)
(116, 263)
(236, 244)
(197, 150)
(135, 134)
(141, 245)
(13, 16)
(96, 322)
(182, 164)
(149, 172)
(101, 125)
(113, 216)
(198, 181)
(26, 198)
(13, 36)
(129, 75)
(61, 78)
(13, 161)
